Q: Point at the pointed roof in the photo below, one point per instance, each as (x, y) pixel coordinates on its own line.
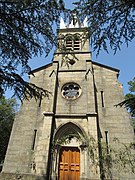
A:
(74, 22)
(93, 62)
(62, 24)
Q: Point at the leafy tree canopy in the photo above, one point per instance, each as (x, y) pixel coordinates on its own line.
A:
(110, 22)
(27, 30)
(130, 98)
(129, 101)
(7, 113)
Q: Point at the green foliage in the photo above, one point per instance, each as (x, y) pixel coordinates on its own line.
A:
(117, 156)
(123, 156)
(65, 140)
(110, 22)
(132, 86)
(129, 101)
(27, 30)
(7, 114)
(114, 156)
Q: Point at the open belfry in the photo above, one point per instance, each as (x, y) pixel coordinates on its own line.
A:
(60, 136)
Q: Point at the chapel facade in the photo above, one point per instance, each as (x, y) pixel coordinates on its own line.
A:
(60, 136)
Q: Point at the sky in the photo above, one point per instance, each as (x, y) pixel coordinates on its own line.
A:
(124, 60)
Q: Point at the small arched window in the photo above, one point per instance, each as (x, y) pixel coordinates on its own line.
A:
(73, 43)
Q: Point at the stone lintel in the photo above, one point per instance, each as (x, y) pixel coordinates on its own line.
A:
(89, 114)
(76, 115)
(48, 113)
(76, 52)
(73, 70)
(82, 29)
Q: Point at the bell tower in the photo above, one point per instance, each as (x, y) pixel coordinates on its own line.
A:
(75, 113)
(73, 39)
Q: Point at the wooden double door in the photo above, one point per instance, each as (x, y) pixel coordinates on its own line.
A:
(69, 163)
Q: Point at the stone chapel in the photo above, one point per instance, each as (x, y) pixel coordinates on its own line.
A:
(55, 137)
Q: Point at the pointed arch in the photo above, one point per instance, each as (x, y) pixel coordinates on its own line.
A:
(72, 42)
(69, 42)
(69, 128)
(77, 35)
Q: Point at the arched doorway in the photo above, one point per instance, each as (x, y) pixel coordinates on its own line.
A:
(67, 141)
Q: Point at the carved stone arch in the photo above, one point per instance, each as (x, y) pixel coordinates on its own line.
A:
(77, 35)
(69, 128)
(67, 155)
(61, 36)
(68, 35)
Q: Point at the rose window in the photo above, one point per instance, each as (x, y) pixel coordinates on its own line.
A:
(71, 91)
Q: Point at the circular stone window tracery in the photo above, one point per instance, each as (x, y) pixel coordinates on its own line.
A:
(71, 91)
